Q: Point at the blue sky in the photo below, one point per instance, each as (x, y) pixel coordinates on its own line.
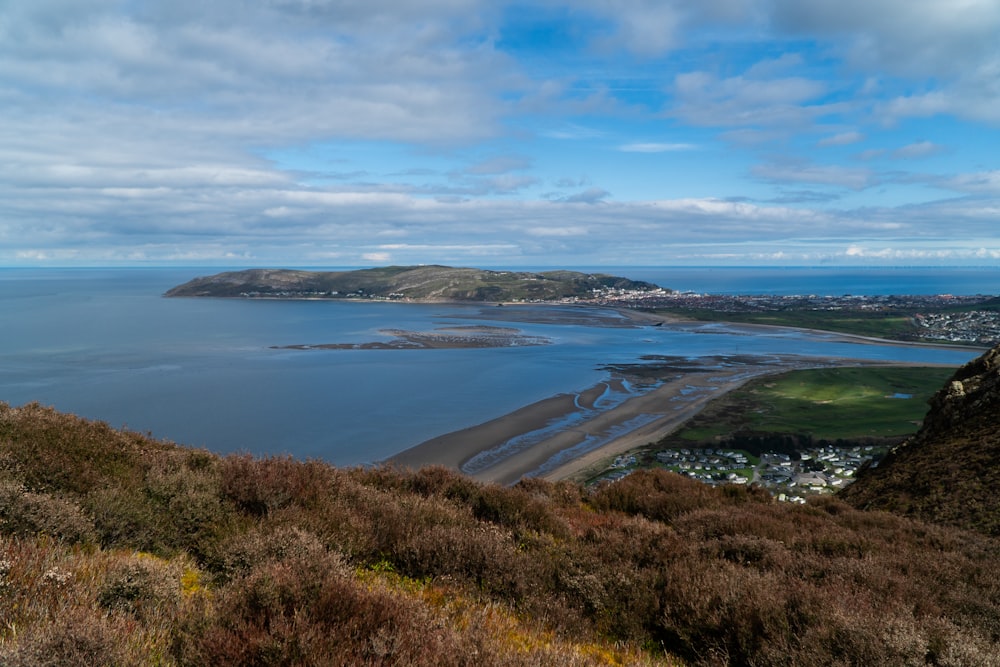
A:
(466, 132)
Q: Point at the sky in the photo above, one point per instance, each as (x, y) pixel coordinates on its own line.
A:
(346, 133)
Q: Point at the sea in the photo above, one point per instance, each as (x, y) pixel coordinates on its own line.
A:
(106, 345)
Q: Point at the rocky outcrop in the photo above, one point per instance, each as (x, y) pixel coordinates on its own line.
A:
(971, 394)
(949, 472)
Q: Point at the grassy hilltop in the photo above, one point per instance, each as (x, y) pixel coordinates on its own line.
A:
(119, 549)
(407, 282)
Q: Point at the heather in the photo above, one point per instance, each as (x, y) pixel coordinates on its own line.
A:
(117, 549)
(947, 472)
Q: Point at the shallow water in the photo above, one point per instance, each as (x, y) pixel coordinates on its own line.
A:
(104, 344)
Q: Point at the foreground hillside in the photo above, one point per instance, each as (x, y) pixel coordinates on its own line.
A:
(118, 549)
(408, 282)
(949, 472)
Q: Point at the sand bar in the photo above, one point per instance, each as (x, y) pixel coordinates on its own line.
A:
(565, 436)
(575, 433)
(454, 449)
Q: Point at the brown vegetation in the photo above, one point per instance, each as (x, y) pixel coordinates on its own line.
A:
(117, 549)
(948, 472)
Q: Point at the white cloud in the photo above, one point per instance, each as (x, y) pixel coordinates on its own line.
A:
(264, 73)
(845, 177)
(558, 231)
(953, 44)
(842, 139)
(135, 131)
(236, 226)
(917, 150)
(645, 27)
(500, 164)
(908, 37)
(702, 99)
(649, 28)
(922, 254)
(655, 147)
(871, 154)
(981, 183)
(588, 196)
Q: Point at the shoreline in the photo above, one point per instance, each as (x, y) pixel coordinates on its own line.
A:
(563, 436)
(557, 438)
(649, 319)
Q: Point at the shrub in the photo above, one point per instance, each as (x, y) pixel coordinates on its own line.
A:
(311, 611)
(142, 586)
(261, 486)
(664, 496)
(23, 513)
(80, 637)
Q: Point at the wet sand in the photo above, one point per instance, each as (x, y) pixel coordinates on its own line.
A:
(573, 435)
(444, 338)
(669, 406)
(454, 449)
(485, 452)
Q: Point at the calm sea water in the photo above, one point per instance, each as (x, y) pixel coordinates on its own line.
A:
(104, 344)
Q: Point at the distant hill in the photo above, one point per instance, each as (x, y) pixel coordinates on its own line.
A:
(423, 283)
(949, 472)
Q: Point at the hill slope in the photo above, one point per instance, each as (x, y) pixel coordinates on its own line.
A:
(949, 472)
(409, 282)
(118, 549)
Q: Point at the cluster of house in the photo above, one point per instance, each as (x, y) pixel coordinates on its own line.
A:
(789, 478)
(708, 465)
(743, 303)
(819, 470)
(977, 326)
(317, 294)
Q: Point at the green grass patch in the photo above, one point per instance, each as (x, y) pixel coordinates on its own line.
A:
(827, 403)
(891, 326)
(696, 431)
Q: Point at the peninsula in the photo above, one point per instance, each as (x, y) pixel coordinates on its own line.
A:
(413, 283)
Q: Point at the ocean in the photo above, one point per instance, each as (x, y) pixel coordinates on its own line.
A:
(104, 344)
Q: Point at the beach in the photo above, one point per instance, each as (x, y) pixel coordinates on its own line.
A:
(564, 436)
(573, 435)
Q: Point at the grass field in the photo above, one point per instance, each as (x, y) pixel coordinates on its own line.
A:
(878, 325)
(827, 403)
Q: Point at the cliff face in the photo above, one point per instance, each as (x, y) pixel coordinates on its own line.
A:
(949, 472)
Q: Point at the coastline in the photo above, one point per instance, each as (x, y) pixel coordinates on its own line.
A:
(564, 436)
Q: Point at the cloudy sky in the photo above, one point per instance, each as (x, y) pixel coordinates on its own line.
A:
(489, 133)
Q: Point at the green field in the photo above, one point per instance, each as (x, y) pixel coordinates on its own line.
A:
(826, 403)
(878, 325)
(892, 324)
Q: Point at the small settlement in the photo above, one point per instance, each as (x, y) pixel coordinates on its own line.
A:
(789, 478)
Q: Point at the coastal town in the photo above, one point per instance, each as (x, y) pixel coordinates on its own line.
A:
(936, 317)
(789, 478)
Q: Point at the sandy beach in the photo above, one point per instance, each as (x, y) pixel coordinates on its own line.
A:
(562, 436)
(568, 435)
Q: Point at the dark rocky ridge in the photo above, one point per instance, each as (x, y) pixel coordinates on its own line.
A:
(949, 472)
